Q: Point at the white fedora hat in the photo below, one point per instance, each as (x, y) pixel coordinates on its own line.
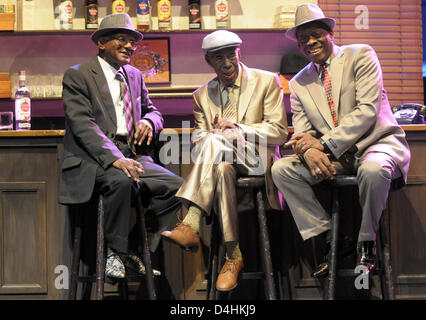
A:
(305, 13)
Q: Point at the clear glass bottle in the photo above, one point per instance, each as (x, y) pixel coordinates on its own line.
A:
(65, 12)
(22, 104)
(143, 17)
(222, 14)
(164, 15)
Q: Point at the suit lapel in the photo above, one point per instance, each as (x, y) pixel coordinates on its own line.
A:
(213, 89)
(246, 91)
(315, 88)
(105, 94)
(336, 69)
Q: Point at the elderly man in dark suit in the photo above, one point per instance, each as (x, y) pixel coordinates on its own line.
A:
(110, 124)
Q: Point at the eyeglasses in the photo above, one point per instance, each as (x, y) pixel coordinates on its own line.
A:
(315, 34)
(123, 40)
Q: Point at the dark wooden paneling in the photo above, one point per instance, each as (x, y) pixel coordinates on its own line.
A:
(33, 230)
(23, 258)
(406, 209)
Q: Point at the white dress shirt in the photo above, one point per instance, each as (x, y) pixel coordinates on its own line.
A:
(114, 88)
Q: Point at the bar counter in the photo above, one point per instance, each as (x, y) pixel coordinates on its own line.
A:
(58, 133)
(35, 237)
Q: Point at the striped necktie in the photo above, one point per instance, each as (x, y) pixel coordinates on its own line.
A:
(125, 95)
(326, 82)
(230, 108)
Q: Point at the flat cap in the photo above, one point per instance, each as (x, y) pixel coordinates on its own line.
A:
(219, 40)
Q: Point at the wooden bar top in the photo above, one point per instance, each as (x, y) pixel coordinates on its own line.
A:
(59, 133)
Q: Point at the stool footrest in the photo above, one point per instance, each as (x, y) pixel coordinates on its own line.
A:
(346, 273)
(130, 278)
(352, 273)
(252, 275)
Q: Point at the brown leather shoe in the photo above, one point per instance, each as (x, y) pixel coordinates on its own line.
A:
(184, 236)
(228, 276)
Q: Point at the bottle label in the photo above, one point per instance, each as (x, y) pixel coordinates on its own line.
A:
(22, 110)
(143, 7)
(164, 12)
(194, 16)
(221, 10)
(118, 6)
(92, 16)
(66, 14)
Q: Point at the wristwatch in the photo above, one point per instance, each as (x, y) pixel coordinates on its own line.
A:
(325, 146)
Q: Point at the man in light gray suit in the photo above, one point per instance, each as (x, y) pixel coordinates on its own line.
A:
(110, 123)
(342, 122)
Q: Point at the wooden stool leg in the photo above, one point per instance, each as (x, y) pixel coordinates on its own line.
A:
(388, 293)
(265, 247)
(123, 289)
(75, 257)
(146, 254)
(100, 252)
(213, 259)
(331, 281)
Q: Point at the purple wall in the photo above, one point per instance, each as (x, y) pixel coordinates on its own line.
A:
(54, 52)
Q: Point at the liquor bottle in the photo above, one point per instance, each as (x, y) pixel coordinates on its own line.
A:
(222, 14)
(22, 104)
(194, 14)
(143, 17)
(118, 6)
(91, 14)
(65, 13)
(164, 15)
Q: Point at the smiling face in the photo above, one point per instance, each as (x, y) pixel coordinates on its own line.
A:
(225, 63)
(117, 49)
(315, 41)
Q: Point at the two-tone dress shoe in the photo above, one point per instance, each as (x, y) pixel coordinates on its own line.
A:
(184, 236)
(114, 266)
(346, 248)
(228, 276)
(133, 262)
(321, 269)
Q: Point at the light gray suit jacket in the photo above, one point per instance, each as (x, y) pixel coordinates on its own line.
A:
(365, 117)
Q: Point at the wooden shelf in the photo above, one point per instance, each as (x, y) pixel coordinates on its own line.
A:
(145, 32)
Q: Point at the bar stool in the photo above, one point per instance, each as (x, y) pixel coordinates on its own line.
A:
(383, 260)
(256, 185)
(99, 277)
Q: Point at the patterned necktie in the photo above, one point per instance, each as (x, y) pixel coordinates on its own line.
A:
(125, 95)
(326, 82)
(230, 108)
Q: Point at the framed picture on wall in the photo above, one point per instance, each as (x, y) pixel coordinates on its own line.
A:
(152, 58)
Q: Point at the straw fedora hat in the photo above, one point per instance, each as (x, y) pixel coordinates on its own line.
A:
(305, 13)
(118, 22)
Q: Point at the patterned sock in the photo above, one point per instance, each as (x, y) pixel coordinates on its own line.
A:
(233, 250)
(193, 218)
